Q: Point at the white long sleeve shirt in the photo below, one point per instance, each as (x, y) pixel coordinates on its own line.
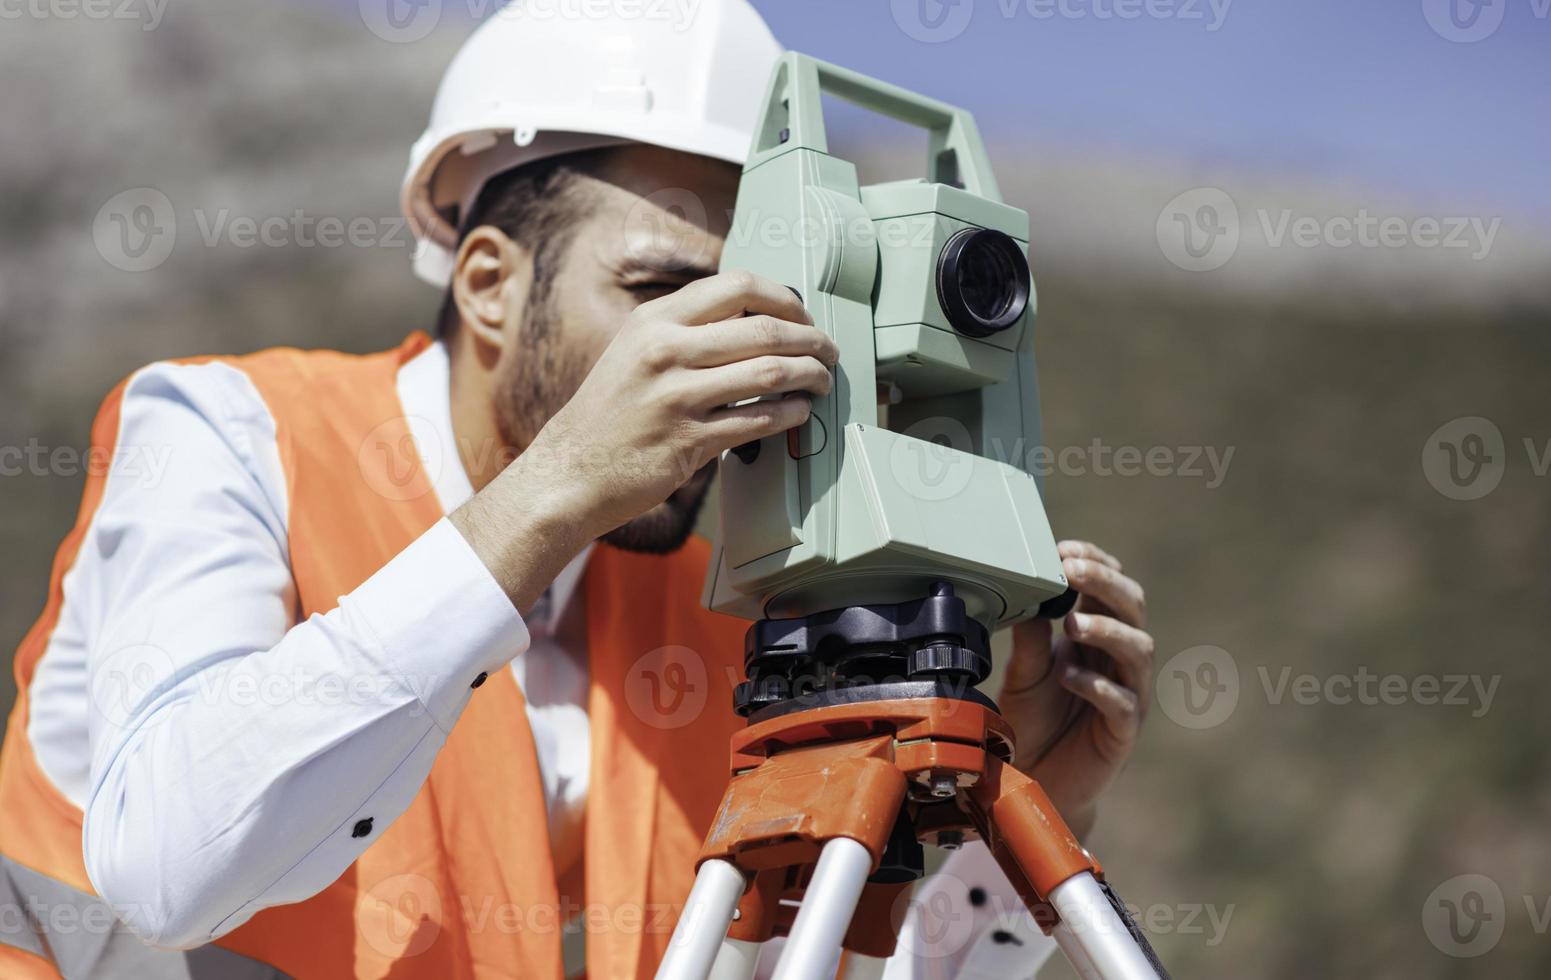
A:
(224, 752)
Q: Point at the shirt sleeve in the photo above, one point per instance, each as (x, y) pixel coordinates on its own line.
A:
(966, 922)
(240, 759)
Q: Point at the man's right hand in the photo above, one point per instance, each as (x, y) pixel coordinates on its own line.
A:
(656, 407)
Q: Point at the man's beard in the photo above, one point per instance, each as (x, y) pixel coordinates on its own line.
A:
(667, 526)
(546, 377)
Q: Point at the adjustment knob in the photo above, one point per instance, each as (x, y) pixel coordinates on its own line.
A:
(752, 695)
(948, 660)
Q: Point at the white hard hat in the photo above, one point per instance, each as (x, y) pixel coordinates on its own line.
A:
(545, 77)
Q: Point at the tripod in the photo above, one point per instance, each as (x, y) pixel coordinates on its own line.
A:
(866, 737)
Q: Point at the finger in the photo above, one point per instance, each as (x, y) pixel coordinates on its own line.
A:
(761, 376)
(1129, 648)
(741, 338)
(1088, 550)
(1116, 592)
(729, 427)
(1032, 659)
(729, 294)
(1119, 708)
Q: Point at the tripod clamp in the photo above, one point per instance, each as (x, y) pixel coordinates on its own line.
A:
(867, 736)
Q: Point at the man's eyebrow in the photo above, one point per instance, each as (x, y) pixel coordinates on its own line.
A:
(667, 264)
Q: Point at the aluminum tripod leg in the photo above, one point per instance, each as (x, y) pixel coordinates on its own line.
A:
(1093, 936)
(697, 939)
(813, 948)
(859, 967)
(737, 961)
(1042, 859)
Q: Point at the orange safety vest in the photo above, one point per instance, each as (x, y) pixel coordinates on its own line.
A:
(461, 885)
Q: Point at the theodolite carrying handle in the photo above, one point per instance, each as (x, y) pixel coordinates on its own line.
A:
(793, 118)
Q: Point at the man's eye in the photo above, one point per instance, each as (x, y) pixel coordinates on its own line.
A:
(652, 290)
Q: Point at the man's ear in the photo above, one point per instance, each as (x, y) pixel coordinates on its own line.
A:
(491, 281)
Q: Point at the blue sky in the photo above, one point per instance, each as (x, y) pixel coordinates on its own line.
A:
(1345, 90)
(1373, 94)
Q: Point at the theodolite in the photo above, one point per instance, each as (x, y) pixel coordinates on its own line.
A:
(876, 547)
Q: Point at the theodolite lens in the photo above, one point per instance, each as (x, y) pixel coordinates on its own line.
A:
(982, 281)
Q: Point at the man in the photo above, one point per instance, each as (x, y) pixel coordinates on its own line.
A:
(353, 691)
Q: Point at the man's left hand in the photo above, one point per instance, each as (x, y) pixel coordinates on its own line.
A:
(1076, 702)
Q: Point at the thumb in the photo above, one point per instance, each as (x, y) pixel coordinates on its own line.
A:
(1030, 663)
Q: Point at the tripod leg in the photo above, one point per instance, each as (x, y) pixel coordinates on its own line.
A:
(707, 913)
(1092, 932)
(1074, 953)
(1043, 860)
(860, 967)
(736, 961)
(813, 947)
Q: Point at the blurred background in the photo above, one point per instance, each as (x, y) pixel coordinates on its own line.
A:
(1294, 267)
